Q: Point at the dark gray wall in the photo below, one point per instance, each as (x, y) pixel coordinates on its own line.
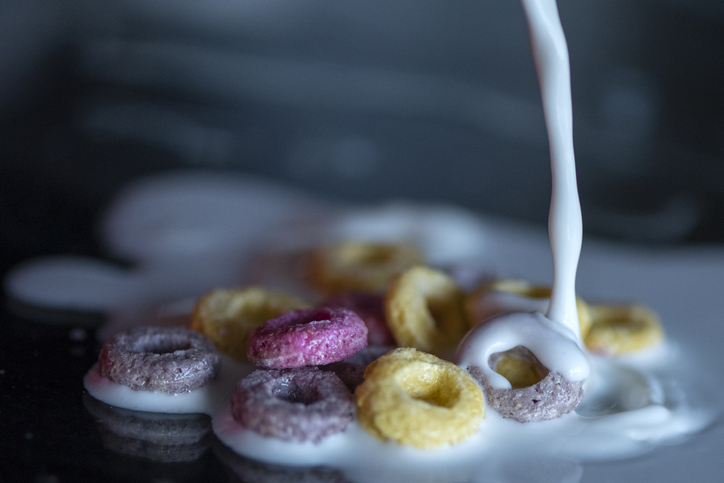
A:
(361, 101)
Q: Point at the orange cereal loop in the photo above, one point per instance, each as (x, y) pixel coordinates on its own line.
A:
(424, 309)
(622, 329)
(355, 266)
(416, 399)
(509, 295)
(228, 316)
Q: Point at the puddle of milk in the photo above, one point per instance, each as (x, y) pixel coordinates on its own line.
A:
(631, 406)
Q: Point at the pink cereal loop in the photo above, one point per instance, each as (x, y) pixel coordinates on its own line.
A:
(307, 337)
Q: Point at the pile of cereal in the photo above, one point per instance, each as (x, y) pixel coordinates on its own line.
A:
(375, 349)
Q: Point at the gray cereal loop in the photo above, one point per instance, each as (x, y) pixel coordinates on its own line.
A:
(300, 404)
(167, 360)
(550, 398)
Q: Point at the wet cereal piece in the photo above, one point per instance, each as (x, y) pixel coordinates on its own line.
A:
(537, 393)
(370, 308)
(170, 360)
(307, 337)
(356, 266)
(416, 399)
(504, 296)
(623, 329)
(424, 310)
(300, 404)
(228, 317)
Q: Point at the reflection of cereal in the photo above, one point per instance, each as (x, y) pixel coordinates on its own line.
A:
(352, 266)
(228, 317)
(155, 436)
(424, 310)
(483, 302)
(246, 470)
(549, 397)
(417, 399)
(622, 329)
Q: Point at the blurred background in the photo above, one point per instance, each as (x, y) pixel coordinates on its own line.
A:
(359, 101)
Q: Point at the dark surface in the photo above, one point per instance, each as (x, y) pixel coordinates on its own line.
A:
(48, 434)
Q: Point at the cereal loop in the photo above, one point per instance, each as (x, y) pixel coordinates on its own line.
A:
(169, 360)
(417, 399)
(301, 404)
(424, 310)
(537, 394)
(505, 296)
(352, 369)
(371, 309)
(228, 317)
(307, 337)
(623, 329)
(353, 266)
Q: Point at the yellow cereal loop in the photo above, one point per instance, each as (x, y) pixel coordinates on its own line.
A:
(424, 309)
(416, 399)
(228, 317)
(355, 266)
(622, 329)
(490, 299)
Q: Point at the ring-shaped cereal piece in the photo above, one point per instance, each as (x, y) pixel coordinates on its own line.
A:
(356, 266)
(416, 399)
(499, 297)
(424, 310)
(306, 338)
(371, 309)
(228, 317)
(170, 360)
(622, 329)
(300, 404)
(352, 369)
(537, 393)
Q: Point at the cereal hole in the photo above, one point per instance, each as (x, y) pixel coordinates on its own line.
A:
(368, 254)
(292, 392)
(437, 309)
(520, 367)
(431, 388)
(158, 347)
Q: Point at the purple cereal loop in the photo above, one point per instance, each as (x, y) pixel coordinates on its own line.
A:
(550, 398)
(307, 337)
(351, 374)
(370, 308)
(352, 369)
(300, 404)
(168, 360)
